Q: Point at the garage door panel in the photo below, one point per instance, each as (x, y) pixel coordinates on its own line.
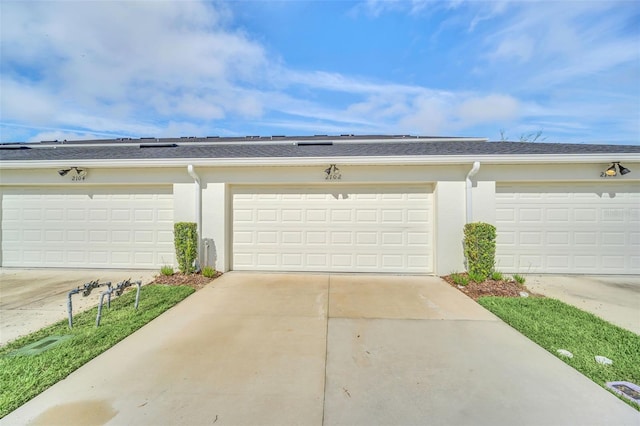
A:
(292, 215)
(292, 259)
(574, 228)
(367, 239)
(165, 215)
(84, 226)
(349, 229)
(586, 261)
(316, 237)
(76, 258)
(31, 214)
(317, 260)
(557, 215)
(558, 239)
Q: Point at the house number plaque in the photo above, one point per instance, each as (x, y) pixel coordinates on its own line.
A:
(76, 174)
(332, 173)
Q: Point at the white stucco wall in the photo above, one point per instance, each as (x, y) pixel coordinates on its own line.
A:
(448, 182)
(216, 225)
(450, 219)
(184, 202)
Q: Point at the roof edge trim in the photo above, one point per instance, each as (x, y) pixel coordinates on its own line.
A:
(307, 161)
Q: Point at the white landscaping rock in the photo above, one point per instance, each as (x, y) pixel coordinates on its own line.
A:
(524, 294)
(603, 360)
(565, 352)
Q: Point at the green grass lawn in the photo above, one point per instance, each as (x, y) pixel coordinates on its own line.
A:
(23, 377)
(555, 325)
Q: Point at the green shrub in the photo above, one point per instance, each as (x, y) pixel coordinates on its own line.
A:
(208, 272)
(519, 279)
(186, 242)
(477, 278)
(480, 249)
(166, 270)
(459, 279)
(497, 276)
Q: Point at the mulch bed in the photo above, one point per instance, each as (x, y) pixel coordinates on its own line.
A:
(197, 281)
(490, 287)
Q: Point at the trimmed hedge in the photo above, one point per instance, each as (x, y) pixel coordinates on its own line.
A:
(480, 248)
(185, 237)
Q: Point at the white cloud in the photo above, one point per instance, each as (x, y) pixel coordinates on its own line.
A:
(487, 109)
(375, 8)
(21, 101)
(129, 60)
(60, 135)
(428, 116)
(521, 48)
(562, 41)
(199, 107)
(171, 68)
(381, 107)
(488, 11)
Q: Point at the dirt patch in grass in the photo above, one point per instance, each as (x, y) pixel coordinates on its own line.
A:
(501, 288)
(195, 281)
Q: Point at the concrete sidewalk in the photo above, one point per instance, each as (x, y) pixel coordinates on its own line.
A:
(269, 349)
(614, 298)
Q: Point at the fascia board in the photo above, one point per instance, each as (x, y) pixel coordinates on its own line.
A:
(313, 161)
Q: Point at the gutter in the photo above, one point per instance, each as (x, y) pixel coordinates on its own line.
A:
(472, 172)
(196, 180)
(320, 161)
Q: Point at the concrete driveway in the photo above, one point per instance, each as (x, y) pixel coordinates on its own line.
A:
(34, 298)
(274, 349)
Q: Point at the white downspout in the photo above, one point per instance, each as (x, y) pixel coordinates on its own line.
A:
(196, 179)
(472, 172)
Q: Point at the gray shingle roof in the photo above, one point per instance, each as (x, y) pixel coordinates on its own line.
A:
(291, 147)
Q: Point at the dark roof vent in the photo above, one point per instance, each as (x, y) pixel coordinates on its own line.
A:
(14, 147)
(314, 143)
(158, 145)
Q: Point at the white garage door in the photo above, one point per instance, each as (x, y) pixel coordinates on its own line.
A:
(575, 228)
(333, 229)
(87, 227)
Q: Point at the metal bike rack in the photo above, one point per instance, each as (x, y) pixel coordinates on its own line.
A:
(86, 290)
(118, 290)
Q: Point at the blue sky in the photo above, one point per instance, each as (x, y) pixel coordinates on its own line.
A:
(96, 69)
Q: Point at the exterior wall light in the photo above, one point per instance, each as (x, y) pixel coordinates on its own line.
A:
(611, 171)
(80, 173)
(623, 170)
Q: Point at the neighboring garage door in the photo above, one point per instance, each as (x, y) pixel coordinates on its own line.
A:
(87, 227)
(573, 228)
(333, 229)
